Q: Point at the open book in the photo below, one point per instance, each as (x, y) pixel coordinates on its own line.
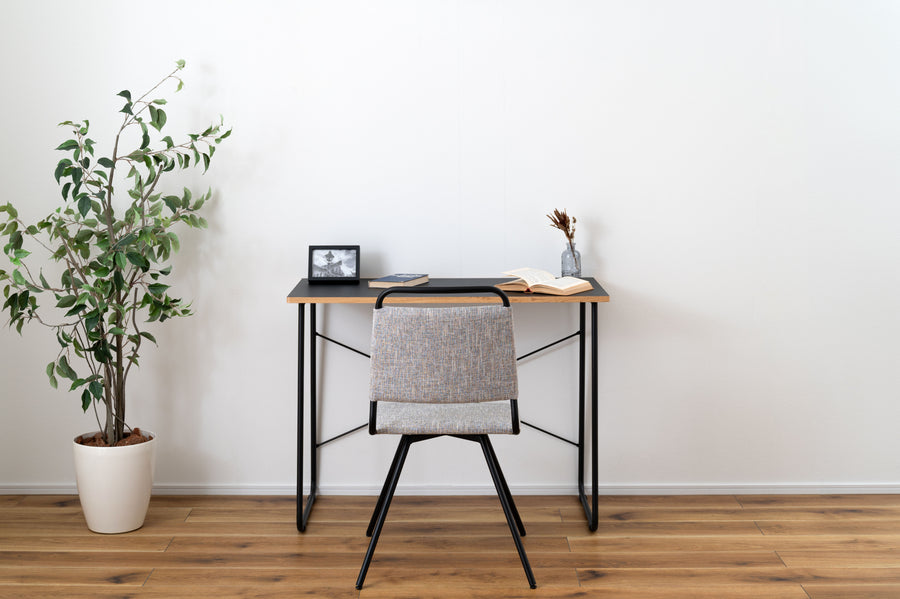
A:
(540, 281)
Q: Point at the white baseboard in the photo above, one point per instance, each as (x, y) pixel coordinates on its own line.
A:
(667, 489)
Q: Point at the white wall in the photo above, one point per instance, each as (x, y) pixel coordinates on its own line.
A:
(734, 168)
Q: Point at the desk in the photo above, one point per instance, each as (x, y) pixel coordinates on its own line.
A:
(305, 294)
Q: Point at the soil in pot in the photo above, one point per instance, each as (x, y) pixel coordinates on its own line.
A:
(96, 440)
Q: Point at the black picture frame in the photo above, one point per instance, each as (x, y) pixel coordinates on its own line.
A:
(333, 264)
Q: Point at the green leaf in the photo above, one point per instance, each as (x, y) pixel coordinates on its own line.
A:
(86, 400)
(50, 368)
(91, 320)
(145, 139)
(121, 260)
(125, 94)
(169, 142)
(12, 301)
(180, 63)
(69, 144)
(63, 369)
(116, 331)
(96, 389)
(84, 204)
(105, 162)
(61, 167)
(18, 278)
(76, 309)
(173, 202)
(101, 352)
(53, 382)
(138, 260)
(161, 119)
(157, 289)
(118, 279)
(148, 336)
(66, 302)
(159, 101)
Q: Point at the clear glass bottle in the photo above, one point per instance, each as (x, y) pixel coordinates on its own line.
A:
(571, 261)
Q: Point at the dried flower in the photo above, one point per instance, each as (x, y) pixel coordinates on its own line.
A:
(560, 220)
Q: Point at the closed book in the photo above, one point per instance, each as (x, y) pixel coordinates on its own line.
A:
(399, 280)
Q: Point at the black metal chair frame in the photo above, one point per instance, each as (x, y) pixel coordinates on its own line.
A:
(379, 515)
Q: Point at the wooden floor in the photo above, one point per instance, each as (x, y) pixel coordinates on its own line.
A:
(760, 547)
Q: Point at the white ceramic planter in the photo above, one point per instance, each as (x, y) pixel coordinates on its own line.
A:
(114, 484)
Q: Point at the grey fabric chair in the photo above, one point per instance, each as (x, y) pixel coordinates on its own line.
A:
(444, 370)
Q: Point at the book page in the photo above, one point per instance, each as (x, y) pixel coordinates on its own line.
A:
(564, 283)
(532, 276)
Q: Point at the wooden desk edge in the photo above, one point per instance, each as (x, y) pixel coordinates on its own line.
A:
(514, 297)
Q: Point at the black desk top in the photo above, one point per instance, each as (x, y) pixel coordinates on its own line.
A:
(343, 293)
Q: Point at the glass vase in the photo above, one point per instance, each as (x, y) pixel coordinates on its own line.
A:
(571, 261)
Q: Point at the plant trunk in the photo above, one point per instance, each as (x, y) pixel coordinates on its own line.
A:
(120, 408)
(110, 428)
(120, 391)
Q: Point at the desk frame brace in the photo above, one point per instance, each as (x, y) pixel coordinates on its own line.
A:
(590, 507)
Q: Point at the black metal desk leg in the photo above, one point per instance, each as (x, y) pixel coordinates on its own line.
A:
(303, 513)
(595, 469)
(581, 410)
(301, 382)
(313, 420)
(590, 509)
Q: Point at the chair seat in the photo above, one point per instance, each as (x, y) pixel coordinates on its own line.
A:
(403, 418)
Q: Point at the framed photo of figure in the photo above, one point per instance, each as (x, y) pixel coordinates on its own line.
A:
(334, 264)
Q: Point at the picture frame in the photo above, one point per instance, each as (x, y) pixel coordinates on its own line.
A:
(333, 264)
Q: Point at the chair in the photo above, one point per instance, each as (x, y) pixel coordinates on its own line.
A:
(443, 370)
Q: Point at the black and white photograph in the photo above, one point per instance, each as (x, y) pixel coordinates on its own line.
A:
(334, 263)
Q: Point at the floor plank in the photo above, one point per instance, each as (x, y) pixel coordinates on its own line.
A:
(843, 591)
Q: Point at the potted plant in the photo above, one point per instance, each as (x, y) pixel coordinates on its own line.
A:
(108, 244)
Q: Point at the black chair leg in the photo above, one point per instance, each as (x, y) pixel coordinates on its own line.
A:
(384, 490)
(510, 519)
(391, 486)
(509, 497)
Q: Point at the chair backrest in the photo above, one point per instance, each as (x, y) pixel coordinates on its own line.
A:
(444, 354)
